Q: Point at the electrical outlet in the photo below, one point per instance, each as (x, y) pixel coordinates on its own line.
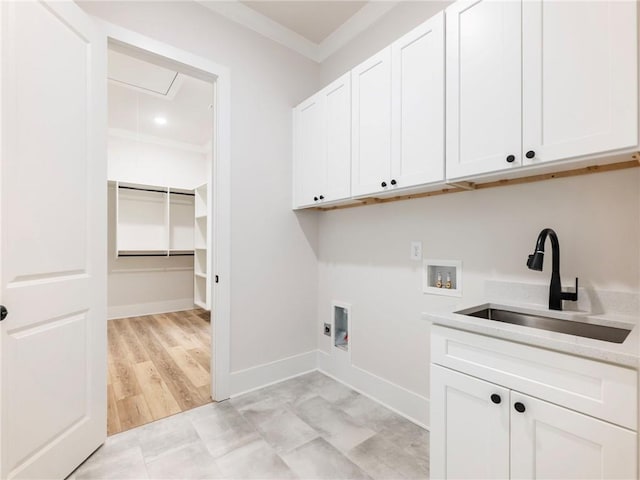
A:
(327, 329)
(416, 250)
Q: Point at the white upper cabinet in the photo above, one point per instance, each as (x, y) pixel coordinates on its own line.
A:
(337, 99)
(577, 95)
(322, 145)
(371, 124)
(579, 78)
(417, 132)
(398, 113)
(483, 79)
(309, 151)
(486, 89)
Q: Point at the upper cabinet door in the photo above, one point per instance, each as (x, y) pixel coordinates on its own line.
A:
(418, 105)
(371, 124)
(309, 151)
(483, 86)
(548, 441)
(580, 90)
(337, 99)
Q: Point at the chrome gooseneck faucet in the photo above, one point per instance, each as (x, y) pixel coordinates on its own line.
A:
(556, 295)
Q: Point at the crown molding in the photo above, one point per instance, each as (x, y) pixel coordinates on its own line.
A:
(247, 17)
(358, 23)
(318, 52)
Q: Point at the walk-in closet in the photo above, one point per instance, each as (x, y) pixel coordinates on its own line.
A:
(160, 240)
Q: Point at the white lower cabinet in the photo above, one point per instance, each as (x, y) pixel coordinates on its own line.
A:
(548, 441)
(480, 430)
(469, 433)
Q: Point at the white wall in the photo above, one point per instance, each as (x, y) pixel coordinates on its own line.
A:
(364, 252)
(153, 161)
(273, 264)
(142, 286)
(388, 28)
(364, 257)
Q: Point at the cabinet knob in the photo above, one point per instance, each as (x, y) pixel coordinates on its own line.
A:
(3, 312)
(393, 182)
(530, 154)
(511, 158)
(495, 398)
(383, 184)
(519, 407)
(321, 197)
(315, 199)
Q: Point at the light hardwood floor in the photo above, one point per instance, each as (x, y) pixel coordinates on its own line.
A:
(158, 366)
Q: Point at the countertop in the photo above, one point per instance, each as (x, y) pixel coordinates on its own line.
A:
(626, 353)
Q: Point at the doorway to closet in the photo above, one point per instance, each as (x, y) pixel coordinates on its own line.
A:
(160, 144)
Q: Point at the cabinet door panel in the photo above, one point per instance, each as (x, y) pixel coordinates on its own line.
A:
(483, 86)
(469, 433)
(418, 105)
(309, 151)
(551, 442)
(579, 78)
(371, 123)
(337, 98)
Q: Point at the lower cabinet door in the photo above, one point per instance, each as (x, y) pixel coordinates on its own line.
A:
(552, 442)
(469, 427)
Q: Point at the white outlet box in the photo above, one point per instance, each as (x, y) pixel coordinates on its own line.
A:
(416, 250)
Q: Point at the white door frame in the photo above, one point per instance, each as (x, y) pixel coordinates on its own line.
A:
(220, 198)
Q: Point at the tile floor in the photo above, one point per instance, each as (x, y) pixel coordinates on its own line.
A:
(309, 427)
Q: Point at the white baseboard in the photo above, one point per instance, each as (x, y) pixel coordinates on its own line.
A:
(124, 311)
(409, 404)
(244, 381)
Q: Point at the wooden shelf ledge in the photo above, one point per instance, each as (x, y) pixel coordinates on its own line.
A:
(456, 187)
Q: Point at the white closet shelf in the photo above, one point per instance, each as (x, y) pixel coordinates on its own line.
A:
(178, 251)
(202, 244)
(181, 191)
(154, 220)
(140, 186)
(143, 253)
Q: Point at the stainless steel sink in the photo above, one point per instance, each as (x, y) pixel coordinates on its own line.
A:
(572, 327)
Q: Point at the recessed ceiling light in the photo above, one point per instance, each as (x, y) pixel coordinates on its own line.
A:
(160, 120)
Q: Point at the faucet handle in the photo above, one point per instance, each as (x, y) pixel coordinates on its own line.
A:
(572, 296)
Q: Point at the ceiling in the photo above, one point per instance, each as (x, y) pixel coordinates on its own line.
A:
(314, 28)
(141, 92)
(314, 20)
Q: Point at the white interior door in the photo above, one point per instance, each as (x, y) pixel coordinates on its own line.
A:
(53, 242)
(469, 427)
(551, 442)
(580, 88)
(484, 89)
